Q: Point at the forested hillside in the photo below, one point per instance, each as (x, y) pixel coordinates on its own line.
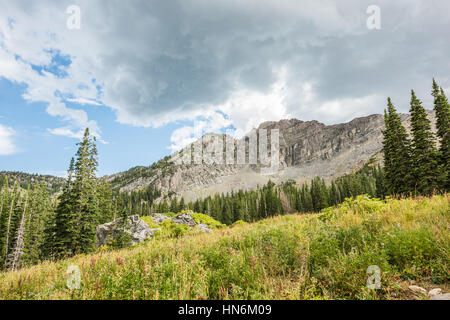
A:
(268, 200)
(54, 184)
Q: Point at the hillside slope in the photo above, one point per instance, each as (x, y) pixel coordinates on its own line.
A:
(319, 256)
(53, 183)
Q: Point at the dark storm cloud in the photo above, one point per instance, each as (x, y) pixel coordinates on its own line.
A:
(160, 61)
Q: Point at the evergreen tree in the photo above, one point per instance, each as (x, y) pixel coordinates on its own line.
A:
(380, 182)
(174, 205)
(307, 199)
(335, 197)
(86, 190)
(77, 214)
(318, 194)
(397, 154)
(105, 202)
(41, 208)
(18, 234)
(122, 238)
(4, 213)
(424, 153)
(228, 213)
(59, 230)
(182, 205)
(442, 112)
(7, 225)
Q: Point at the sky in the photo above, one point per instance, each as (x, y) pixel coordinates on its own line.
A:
(142, 75)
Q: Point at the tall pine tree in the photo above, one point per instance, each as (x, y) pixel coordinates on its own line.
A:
(424, 153)
(397, 153)
(77, 214)
(442, 111)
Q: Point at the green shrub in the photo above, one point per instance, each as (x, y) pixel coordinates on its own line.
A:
(346, 274)
(238, 223)
(412, 252)
(151, 223)
(232, 274)
(205, 219)
(170, 229)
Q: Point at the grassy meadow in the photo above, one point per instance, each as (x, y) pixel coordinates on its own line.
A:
(298, 256)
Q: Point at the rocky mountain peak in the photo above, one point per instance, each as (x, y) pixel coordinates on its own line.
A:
(307, 149)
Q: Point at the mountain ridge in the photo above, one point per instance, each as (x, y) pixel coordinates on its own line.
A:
(307, 149)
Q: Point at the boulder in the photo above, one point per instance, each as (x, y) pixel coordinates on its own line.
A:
(185, 218)
(417, 289)
(434, 292)
(445, 296)
(135, 227)
(158, 217)
(204, 227)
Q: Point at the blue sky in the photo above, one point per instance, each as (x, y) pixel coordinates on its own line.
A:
(42, 152)
(145, 75)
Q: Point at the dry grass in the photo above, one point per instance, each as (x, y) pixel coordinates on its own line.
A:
(320, 256)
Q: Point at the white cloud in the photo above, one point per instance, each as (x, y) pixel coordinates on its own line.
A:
(66, 132)
(84, 101)
(213, 122)
(34, 41)
(247, 109)
(7, 146)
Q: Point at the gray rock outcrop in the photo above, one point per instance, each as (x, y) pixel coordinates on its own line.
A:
(441, 297)
(135, 227)
(158, 217)
(185, 218)
(417, 289)
(434, 292)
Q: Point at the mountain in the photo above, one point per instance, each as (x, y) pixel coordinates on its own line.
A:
(24, 179)
(307, 149)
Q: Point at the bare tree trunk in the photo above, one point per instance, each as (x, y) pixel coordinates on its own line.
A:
(11, 209)
(285, 202)
(2, 195)
(18, 249)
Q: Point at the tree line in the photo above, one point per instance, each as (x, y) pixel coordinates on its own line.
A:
(414, 164)
(23, 217)
(36, 226)
(267, 200)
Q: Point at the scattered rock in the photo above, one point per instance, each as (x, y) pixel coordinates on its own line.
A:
(158, 217)
(418, 289)
(135, 227)
(185, 218)
(204, 227)
(435, 292)
(445, 296)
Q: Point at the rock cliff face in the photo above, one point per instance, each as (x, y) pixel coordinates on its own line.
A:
(307, 149)
(138, 230)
